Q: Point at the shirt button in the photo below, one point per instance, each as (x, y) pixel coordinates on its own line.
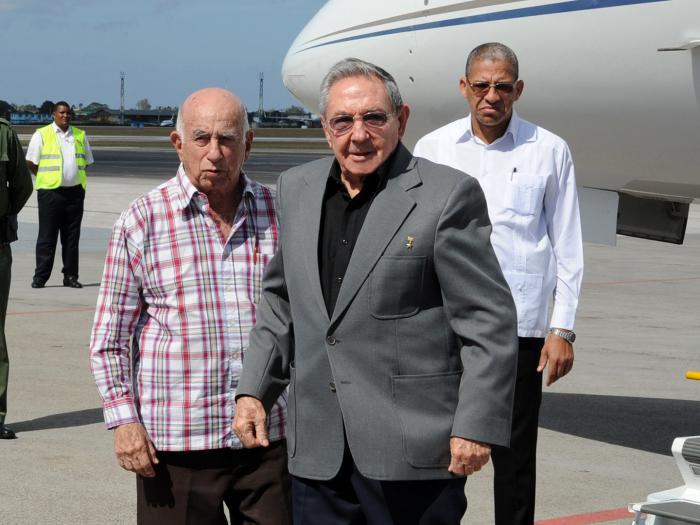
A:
(344, 241)
(331, 340)
(339, 280)
(332, 386)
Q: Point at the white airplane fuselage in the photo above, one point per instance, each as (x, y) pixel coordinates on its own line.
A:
(594, 74)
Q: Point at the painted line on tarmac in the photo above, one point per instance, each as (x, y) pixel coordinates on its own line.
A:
(61, 311)
(588, 518)
(645, 281)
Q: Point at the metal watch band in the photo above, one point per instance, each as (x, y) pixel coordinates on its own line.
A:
(567, 335)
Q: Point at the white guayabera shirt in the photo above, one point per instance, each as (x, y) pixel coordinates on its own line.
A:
(528, 179)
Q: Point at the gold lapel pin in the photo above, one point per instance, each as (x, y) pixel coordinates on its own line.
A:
(409, 242)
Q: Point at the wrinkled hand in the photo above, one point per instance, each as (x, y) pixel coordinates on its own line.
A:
(250, 422)
(558, 356)
(134, 450)
(467, 456)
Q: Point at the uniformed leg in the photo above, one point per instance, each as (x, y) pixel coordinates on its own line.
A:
(5, 275)
(70, 229)
(261, 488)
(515, 467)
(50, 204)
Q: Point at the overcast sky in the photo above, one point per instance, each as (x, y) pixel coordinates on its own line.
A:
(75, 49)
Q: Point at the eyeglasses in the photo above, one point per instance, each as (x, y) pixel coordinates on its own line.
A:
(342, 124)
(481, 87)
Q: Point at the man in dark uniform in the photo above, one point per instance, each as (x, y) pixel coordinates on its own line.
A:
(15, 189)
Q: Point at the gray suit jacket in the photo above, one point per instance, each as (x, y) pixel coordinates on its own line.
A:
(421, 345)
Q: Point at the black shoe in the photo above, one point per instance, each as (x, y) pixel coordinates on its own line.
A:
(72, 282)
(36, 283)
(6, 432)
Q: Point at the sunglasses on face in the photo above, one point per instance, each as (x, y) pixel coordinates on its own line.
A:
(372, 120)
(481, 87)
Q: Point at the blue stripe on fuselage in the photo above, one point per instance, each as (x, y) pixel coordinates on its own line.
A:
(562, 7)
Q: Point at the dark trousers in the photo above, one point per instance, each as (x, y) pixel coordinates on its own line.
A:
(192, 487)
(60, 212)
(515, 467)
(352, 499)
(5, 275)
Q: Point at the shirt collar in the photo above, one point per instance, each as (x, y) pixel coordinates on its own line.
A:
(188, 192)
(69, 131)
(512, 130)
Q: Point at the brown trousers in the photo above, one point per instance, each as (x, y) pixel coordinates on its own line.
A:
(192, 488)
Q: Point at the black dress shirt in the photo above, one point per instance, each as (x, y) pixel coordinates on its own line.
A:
(341, 221)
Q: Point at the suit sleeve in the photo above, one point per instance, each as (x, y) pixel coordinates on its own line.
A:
(265, 372)
(481, 313)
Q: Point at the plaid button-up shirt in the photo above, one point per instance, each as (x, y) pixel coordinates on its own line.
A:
(174, 311)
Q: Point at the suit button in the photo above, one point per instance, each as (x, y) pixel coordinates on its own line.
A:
(332, 385)
(331, 340)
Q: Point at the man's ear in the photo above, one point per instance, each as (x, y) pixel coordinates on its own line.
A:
(463, 87)
(328, 133)
(519, 86)
(248, 143)
(176, 141)
(403, 115)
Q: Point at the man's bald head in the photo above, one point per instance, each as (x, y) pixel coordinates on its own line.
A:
(214, 97)
(212, 140)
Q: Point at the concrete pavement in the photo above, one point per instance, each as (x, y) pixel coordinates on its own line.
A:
(604, 426)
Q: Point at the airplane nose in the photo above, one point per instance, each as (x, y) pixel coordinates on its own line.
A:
(307, 60)
(290, 70)
(296, 77)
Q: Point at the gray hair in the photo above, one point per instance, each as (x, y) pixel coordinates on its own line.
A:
(493, 51)
(180, 123)
(354, 67)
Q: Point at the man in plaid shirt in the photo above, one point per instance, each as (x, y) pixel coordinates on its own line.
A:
(178, 297)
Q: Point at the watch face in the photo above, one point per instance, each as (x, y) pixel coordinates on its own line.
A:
(567, 335)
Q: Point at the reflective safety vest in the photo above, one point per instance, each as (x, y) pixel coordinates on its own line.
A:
(50, 171)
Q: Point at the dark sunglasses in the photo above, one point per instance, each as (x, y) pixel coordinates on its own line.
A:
(481, 87)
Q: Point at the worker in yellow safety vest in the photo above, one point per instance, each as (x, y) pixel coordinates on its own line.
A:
(59, 154)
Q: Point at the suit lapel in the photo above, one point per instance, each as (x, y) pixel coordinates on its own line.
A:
(312, 206)
(388, 211)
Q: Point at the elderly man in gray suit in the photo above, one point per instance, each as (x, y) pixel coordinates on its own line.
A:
(386, 313)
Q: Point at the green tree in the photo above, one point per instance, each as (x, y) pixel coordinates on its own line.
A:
(295, 111)
(28, 108)
(143, 105)
(92, 107)
(5, 109)
(46, 107)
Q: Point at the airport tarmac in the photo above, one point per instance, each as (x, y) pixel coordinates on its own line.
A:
(606, 429)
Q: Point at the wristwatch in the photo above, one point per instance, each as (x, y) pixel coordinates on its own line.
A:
(567, 335)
